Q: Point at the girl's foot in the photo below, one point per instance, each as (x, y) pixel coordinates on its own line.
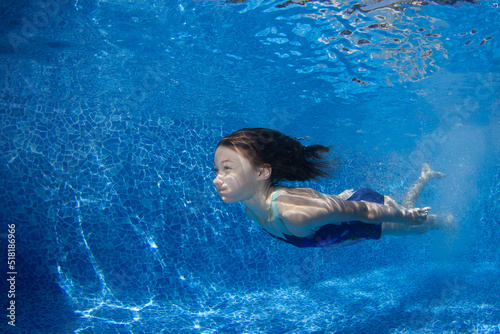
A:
(429, 174)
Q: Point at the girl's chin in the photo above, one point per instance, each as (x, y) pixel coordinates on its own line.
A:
(226, 199)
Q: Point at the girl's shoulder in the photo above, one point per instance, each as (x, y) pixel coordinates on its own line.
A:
(294, 200)
(300, 208)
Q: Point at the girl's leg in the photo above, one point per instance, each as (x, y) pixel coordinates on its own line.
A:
(433, 222)
(346, 194)
(415, 190)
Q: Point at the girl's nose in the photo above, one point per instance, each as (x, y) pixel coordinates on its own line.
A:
(217, 181)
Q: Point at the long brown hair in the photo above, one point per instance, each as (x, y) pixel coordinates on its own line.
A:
(289, 159)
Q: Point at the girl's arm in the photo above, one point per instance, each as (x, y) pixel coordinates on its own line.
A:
(303, 213)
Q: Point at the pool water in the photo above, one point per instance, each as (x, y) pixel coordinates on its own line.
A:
(110, 112)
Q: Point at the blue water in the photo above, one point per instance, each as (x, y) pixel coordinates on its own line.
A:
(110, 112)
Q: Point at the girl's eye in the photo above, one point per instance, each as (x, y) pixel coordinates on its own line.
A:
(216, 170)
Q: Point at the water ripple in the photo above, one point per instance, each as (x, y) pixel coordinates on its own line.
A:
(360, 46)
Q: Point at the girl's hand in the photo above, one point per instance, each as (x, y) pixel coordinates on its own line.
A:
(417, 216)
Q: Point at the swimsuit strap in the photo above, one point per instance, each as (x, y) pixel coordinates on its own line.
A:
(276, 219)
(273, 205)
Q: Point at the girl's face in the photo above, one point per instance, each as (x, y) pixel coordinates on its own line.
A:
(236, 179)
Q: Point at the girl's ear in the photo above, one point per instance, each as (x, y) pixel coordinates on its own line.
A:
(265, 172)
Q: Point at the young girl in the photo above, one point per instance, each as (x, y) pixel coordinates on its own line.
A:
(250, 163)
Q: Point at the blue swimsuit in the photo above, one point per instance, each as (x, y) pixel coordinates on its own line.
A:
(346, 233)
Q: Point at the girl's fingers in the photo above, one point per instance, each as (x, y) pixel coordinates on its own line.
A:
(423, 213)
